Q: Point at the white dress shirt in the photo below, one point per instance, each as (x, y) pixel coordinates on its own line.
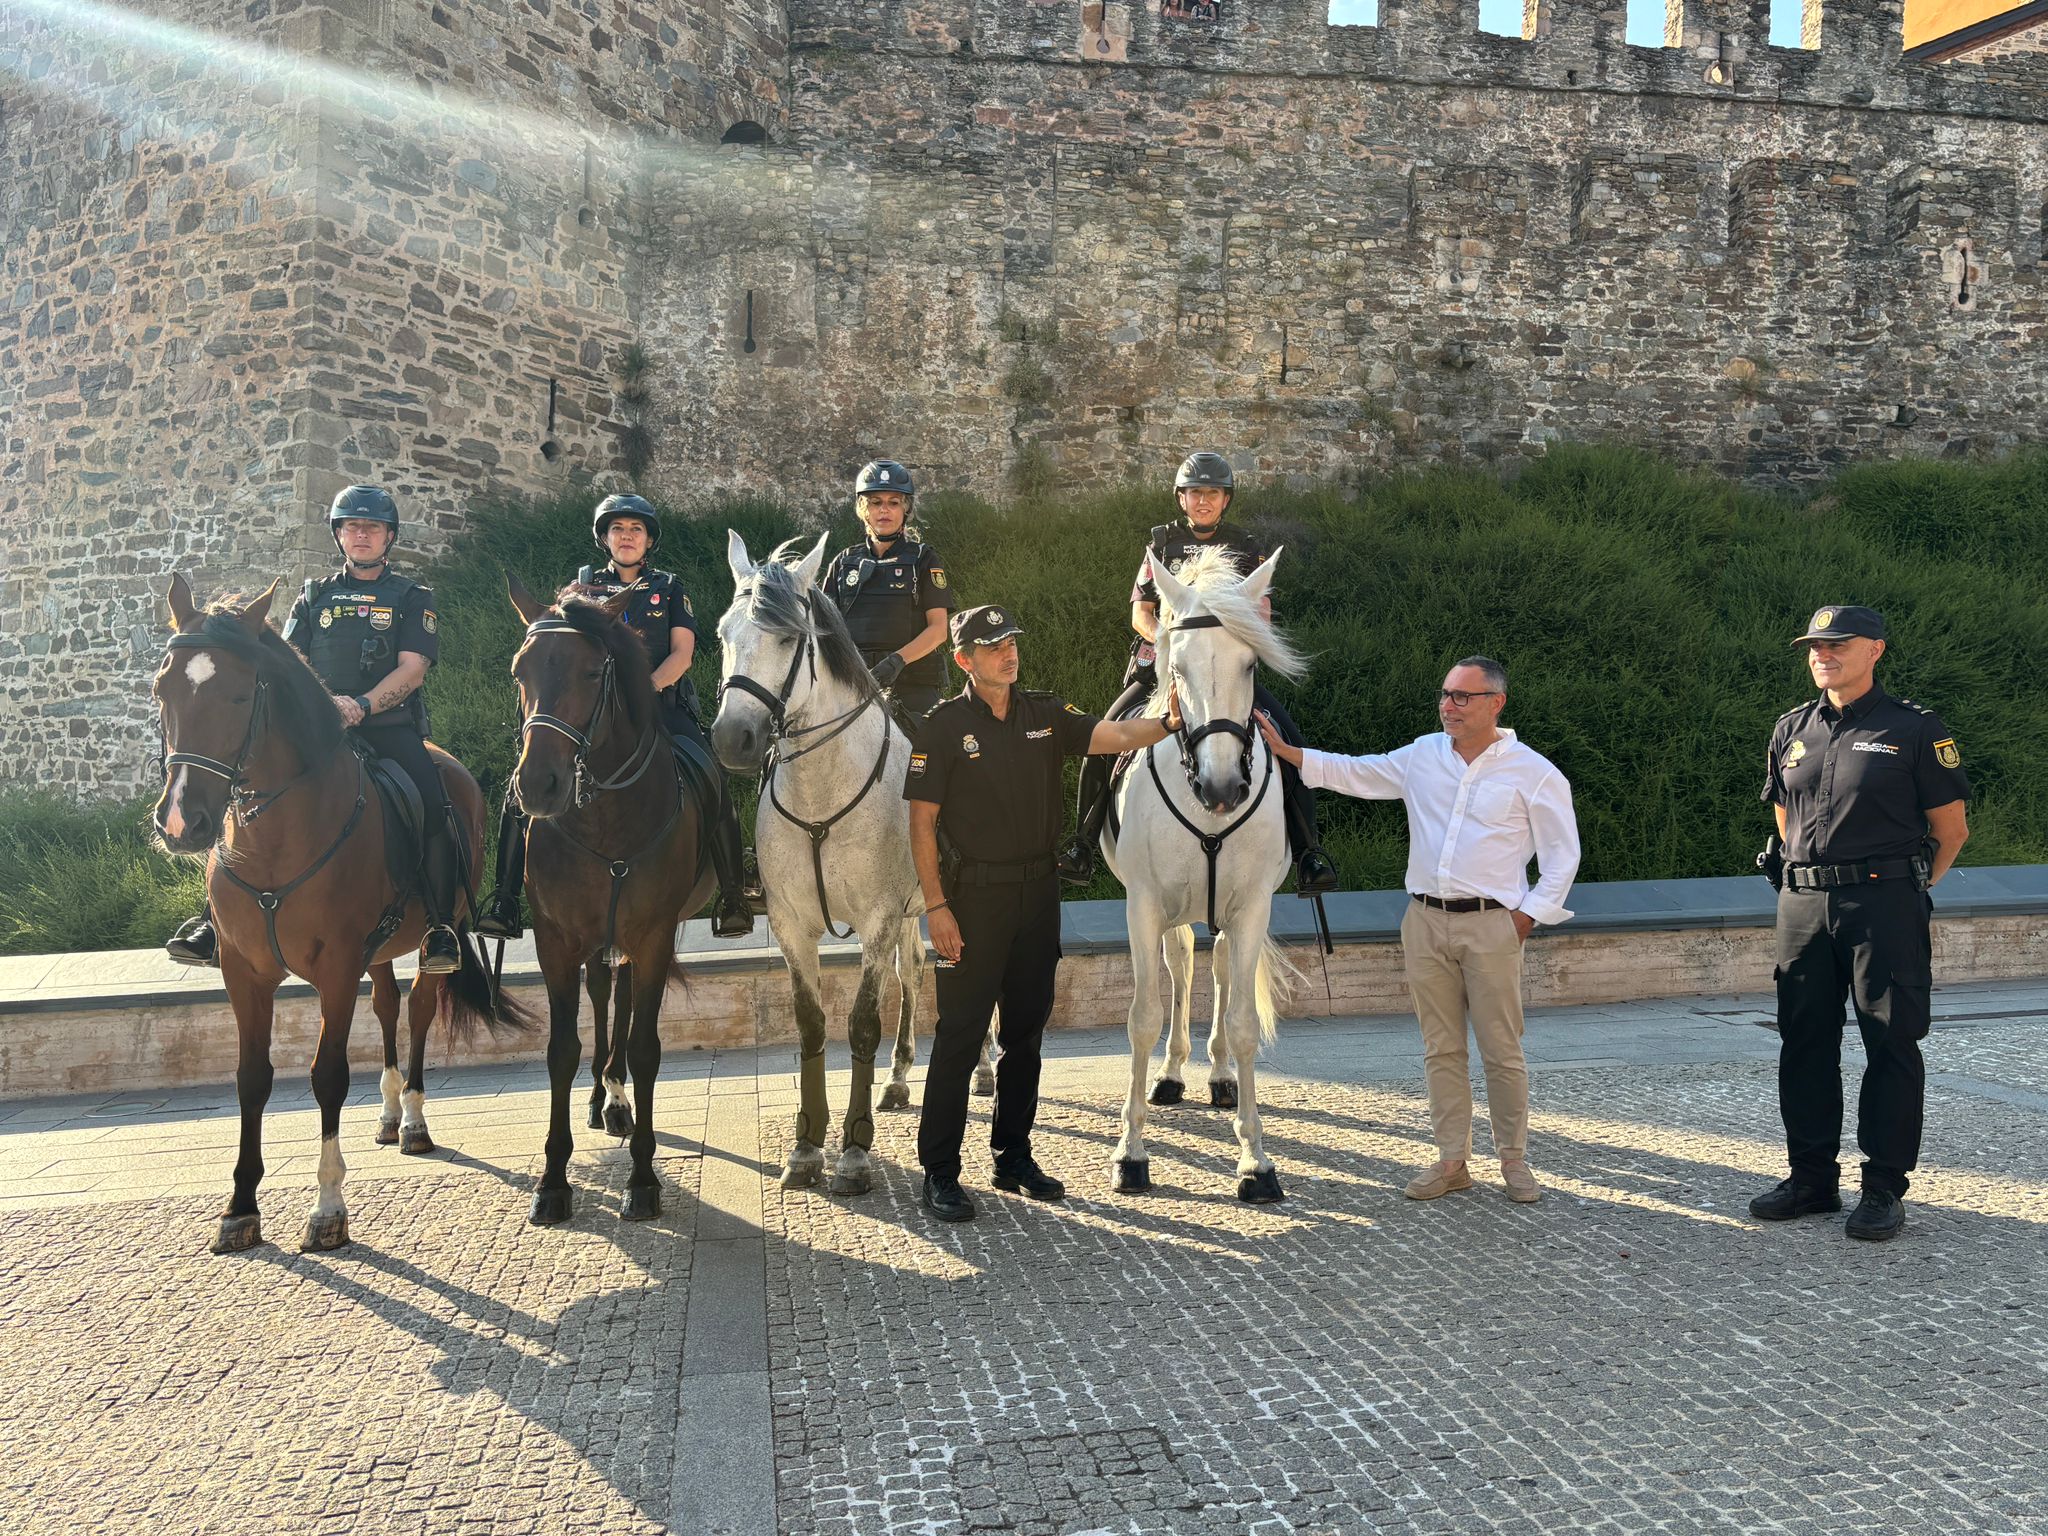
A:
(1472, 827)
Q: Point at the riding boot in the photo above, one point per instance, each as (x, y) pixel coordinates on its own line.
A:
(440, 887)
(733, 916)
(1314, 874)
(500, 917)
(1077, 857)
(195, 942)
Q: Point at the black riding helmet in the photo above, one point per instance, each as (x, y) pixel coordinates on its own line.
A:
(884, 475)
(1206, 469)
(614, 507)
(368, 503)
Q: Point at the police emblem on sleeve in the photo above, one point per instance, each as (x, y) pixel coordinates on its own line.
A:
(1794, 753)
(1945, 753)
(427, 620)
(938, 577)
(917, 760)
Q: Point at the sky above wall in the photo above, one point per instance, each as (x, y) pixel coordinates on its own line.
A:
(1645, 19)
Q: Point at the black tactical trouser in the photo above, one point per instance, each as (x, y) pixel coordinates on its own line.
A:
(1010, 937)
(443, 854)
(1297, 800)
(1869, 944)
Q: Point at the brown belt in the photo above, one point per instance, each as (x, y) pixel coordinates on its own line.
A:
(1459, 904)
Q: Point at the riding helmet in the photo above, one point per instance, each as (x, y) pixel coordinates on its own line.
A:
(371, 503)
(613, 507)
(1210, 469)
(884, 475)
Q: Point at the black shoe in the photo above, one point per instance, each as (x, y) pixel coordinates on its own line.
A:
(499, 920)
(440, 952)
(1023, 1176)
(1878, 1215)
(1314, 874)
(1792, 1198)
(732, 918)
(195, 943)
(945, 1199)
(750, 881)
(1077, 862)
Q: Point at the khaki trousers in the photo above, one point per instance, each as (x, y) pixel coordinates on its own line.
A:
(1460, 962)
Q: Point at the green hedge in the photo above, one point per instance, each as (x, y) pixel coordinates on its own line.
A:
(1642, 611)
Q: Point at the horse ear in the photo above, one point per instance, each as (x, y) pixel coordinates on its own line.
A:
(257, 614)
(1256, 585)
(807, 568)
(184, 612)
(736, 556)
(524, 603)
(616, 604)
(1173, 592)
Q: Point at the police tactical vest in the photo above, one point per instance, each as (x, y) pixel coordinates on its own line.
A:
(1174, 544)
(353, 644)
(879, 600)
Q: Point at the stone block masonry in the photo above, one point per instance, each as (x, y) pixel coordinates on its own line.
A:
(254, 251)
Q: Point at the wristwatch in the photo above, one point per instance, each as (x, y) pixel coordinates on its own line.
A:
(363, 703)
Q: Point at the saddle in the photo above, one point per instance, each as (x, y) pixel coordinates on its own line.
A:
(700, 774)
(405, 820)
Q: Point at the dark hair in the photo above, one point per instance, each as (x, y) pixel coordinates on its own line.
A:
(1496, 674)
(302, 708)
(617, 639)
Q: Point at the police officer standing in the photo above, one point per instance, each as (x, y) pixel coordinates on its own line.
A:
(629, 529)
(892, 591)
(1204, 486)
(985, 775)
(1869, 793)
(370, 635)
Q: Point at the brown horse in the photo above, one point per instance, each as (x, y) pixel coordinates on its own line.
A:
(615, 856)
(259, 778)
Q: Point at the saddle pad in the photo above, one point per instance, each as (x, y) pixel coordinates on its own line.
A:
(404, 821)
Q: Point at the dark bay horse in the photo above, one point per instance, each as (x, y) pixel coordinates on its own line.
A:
(258, 777)
(615, 857)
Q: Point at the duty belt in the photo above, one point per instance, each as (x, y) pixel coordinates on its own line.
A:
(1828, 877)
(1458, 903)
(975, 872)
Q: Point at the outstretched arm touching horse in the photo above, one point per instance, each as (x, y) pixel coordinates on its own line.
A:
(1113, 736)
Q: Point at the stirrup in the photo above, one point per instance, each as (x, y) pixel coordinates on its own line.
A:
(499, 920)
(1076, 863)
(732, 918)
(195, 943)
(440, 951)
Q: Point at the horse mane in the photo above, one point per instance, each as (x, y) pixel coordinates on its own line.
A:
(303, 707)
(1216, 581)
(778, 606)
(617, 639)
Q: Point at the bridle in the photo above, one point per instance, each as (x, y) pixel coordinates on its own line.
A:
(587, 783)
(1189, 740)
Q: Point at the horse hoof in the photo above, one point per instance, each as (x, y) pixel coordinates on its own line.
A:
(1133, 1176)
(325, 1232)
(387, 1133)
(1260, 1188)
(597, 1114)
(551, 1207)
(851, 1183)
(896, 1096)
(1168, 1090)
(618, 1121)
(802, 1173)
(237, 1234)
(984, 1085)
(414, 1141)
(1223, 1095)
(642, 1203)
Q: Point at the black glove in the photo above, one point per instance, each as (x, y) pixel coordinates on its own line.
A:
(887, 670)
(1772, 862)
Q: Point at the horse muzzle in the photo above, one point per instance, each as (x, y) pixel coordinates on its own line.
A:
(739, 743)
(1221, 793)
(543, 789)
(184, 823)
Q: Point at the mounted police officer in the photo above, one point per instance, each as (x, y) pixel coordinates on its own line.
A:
(1869, 793)
(628, 529)
(1204, 487)
(370, 636)
(893, 592)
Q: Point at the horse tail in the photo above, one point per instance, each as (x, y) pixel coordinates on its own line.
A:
(468, 1000)
(1278, 976)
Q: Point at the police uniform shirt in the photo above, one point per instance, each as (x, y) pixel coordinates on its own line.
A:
(1176, 543)
(885, 599)
(1856, 783)
(997, 782)
(658, 607)
(352, 631)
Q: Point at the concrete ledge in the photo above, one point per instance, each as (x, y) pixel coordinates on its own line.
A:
(83, 1023)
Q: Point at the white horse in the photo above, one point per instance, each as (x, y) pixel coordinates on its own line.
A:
(1200, 837)
(832, 832)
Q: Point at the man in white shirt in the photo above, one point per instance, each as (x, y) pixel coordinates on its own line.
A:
(1479, 805)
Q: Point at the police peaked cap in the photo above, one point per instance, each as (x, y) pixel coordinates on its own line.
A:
(614, 507)
(984, 626)
(1842, 624)
(884, 475)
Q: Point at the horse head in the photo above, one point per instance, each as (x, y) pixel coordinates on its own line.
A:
(1212, 634)
(568, 670)
(209, 696)
(768, 641)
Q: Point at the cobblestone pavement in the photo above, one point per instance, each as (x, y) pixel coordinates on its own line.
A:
(1631, 1354)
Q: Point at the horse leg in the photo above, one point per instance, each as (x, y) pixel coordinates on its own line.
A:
(644, 982)
(910, 977)
(421, 1006)
(597, 982)
(1257, 1182)
(1170, 1087)
(854, 1172)
(813, 1114)
(1223, 1083)
(327, 1227)
(253, 999)
(1133, 1162)
(552, 1200)
(384, 1000)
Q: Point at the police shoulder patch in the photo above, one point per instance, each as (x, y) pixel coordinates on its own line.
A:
(1946, 753)
(917, 762)
(428, 622)
(938, 576)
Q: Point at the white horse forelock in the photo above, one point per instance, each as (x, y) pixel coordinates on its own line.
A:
(1220, 590)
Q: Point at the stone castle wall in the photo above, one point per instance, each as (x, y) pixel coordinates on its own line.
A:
(254, 251)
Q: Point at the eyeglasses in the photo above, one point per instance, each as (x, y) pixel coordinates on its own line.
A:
(1462, 697)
